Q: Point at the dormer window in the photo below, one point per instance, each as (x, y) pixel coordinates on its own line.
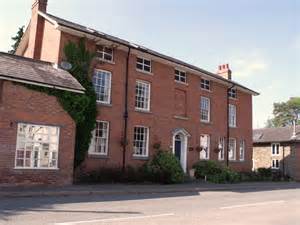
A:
(232, 93)
(180, 76)
(104, 53)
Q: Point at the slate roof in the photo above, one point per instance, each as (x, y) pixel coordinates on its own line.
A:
(78, 27)
(40, 73)
(279, 134)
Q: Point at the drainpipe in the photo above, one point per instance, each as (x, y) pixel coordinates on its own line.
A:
(125, 116)
(228, 128)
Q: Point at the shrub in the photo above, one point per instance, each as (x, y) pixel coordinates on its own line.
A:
(164, 168)
(264, 172)
(215, 173)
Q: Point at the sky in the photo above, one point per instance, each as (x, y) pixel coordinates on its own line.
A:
(259, 39)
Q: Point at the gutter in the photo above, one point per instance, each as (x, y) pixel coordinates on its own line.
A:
(125, 116)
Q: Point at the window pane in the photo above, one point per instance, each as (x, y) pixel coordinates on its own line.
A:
(99, 143)
(102, 85)
(140, 143)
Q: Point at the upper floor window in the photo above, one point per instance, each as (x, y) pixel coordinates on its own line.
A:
(275, 149)
(37, 146)
(142, 95)
(205, 84)
(232, 115)
(99, 143)
(143, 64)
(232, 149)
(221, 148)
(205, 109)
(232, 93)
(242, 150)
(104, 53)
(141, 141)
(205, 146)
(102, 85)
(180, 76)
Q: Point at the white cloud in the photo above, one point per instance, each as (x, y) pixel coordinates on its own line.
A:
(249, 64)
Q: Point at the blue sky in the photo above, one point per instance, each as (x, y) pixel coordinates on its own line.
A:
(259, 39)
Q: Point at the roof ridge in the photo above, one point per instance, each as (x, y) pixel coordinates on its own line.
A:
(26, 58)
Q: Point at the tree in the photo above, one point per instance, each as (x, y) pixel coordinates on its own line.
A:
(17, 39)
(285, 113)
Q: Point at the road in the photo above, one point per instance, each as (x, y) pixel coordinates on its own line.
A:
(244, 207)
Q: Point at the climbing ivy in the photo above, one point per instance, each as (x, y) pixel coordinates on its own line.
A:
(81, 107)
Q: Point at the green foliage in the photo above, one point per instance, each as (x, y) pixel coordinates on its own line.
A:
(17, 40)
(81, 107)
(264, 172)
(164, 168)
(215, 172)
(285, 112)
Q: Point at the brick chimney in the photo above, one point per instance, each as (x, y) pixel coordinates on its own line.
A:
(224, 71)
(36, 28)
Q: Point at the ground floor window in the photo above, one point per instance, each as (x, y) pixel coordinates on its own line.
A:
(242, 150)
(221, 148)
(204, 145)
(232, 149)
(99, 142)
(141, 139)
(275, 164)
(37, 146)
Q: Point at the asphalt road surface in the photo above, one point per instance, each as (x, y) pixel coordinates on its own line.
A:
(244, 207)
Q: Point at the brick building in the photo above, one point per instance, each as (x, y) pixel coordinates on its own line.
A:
(36, 135)
(145, 98)
(277, 148)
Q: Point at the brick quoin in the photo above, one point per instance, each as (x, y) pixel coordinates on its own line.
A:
(162, 118)
(37, 108)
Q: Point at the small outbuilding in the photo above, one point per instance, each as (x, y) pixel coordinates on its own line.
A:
(37, 136)
(279, 149)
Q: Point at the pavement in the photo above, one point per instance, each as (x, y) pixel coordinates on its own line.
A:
(238, 204)
(123, 189)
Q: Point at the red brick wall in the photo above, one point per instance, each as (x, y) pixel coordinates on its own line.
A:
(20, 104)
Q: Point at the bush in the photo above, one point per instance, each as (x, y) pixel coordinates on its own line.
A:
(215, 173)
(264, 172)
(164, 168)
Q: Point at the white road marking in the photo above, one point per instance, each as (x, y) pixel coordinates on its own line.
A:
(115, 219)
(252, 204)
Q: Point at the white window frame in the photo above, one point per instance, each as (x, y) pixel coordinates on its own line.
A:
(204, 154)
(102, 53)
(204, 111)
(277, 150)
(107, 89)
(95, 142)
(143, 65)
(37, 144)
(276, 167)
(147, 98)
(180, 76)
(205, 84)
(145, 154)
(232, 115)
(221, 154)
(242, 150)
(232, 93)
(232, 141)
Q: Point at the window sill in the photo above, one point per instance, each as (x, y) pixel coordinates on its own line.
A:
(104, 104)
(203, 89)
(97, 156)
(204, 159)
(180, 82)
(44, 169)
(105, 61)
(137, 157)
(206, 122)
(181, 117)
(143, 111)
(233, 127)
(145, 72)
